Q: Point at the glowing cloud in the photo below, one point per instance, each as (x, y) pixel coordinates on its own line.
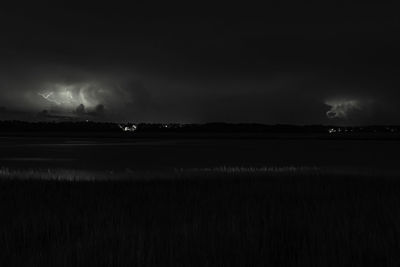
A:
(73, 95)
(342, 108)
(58, 97)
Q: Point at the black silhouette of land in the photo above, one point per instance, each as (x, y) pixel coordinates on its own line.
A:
(141, 129)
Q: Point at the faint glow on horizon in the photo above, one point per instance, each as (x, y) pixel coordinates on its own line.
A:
(342, 108)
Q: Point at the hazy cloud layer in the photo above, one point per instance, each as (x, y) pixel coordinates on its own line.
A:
(275, 98)
(337, 66)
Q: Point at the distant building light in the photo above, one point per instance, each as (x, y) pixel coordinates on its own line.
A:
(332, 130)
(131, 128)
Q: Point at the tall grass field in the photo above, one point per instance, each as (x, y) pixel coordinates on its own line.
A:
(199, 217)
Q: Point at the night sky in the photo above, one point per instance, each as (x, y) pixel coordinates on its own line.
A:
(328, 64)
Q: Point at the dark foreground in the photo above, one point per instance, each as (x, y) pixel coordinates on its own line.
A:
(222, 221)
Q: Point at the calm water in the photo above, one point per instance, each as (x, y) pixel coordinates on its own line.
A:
(116, 154)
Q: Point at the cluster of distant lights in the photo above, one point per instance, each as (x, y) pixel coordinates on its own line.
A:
(132, 127)
(129, 127)
(339, 130)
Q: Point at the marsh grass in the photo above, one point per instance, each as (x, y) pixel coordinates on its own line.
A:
(188, 173)
(231, 217)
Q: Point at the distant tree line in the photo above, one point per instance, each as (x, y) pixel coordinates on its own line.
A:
(79, 126)
(91, 126)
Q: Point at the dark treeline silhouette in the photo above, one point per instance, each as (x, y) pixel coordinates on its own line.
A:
(109, 127)
(81, 126)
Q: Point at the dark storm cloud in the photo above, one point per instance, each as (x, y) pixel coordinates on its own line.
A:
(284, 65)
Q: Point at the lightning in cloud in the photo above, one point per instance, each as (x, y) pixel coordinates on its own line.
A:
(63, 97)
(48, 97)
